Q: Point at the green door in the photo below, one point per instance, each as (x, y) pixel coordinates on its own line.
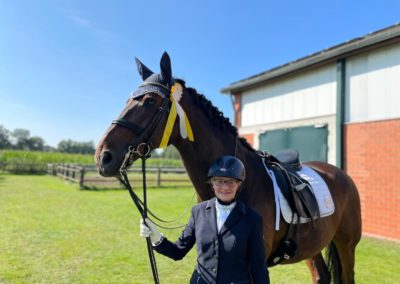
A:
(310, 141)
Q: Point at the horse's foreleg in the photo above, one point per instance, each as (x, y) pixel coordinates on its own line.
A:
(318, 269)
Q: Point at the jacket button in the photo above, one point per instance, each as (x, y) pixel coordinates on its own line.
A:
(214, 270)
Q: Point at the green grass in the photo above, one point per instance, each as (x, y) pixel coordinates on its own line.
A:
(50, 232)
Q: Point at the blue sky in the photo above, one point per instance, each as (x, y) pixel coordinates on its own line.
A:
(67, 67)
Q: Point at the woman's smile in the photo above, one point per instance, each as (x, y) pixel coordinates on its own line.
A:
(225, 189)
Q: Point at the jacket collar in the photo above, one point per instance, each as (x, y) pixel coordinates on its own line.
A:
(239, 205)
(233, 218)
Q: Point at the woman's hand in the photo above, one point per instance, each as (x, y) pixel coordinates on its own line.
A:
(148, 229)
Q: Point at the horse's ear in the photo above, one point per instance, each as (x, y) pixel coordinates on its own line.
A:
(166, 71)
(143, 70)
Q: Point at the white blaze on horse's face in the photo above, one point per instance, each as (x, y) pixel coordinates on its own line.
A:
(225, 189)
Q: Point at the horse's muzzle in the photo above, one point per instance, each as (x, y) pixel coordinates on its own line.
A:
(106, 164)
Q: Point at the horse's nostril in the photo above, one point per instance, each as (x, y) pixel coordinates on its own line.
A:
(106, 157)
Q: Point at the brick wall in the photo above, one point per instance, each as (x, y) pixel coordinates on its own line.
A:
(372, 159)
(249, 138)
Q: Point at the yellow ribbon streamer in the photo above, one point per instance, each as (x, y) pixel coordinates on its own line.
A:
(189, 129)
(168, 126)
(171, 121)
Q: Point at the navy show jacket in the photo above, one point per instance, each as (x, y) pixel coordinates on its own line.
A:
(233, 255)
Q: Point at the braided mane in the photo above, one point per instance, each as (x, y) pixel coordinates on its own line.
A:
(214, 114)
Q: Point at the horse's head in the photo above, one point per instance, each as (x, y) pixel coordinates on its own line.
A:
(143, 120)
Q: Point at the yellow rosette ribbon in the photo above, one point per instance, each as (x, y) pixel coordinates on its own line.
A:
(176, 110)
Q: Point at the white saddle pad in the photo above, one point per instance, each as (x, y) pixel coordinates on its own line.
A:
(319, 188)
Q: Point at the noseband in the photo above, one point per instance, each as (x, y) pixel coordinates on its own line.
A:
(144, 134)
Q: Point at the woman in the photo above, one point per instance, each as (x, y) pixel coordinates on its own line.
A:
(228, 234)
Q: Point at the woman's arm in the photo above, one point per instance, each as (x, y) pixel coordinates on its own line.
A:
(182, 246)
(258, 265)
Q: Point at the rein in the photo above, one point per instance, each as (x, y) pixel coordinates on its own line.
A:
(141, 206)
(143, 150)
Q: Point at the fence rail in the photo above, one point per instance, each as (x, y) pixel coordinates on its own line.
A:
(87, 176)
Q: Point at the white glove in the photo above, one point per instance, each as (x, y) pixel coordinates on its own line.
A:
(148, 229)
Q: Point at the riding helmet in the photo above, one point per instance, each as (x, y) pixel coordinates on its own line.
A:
(227, 166)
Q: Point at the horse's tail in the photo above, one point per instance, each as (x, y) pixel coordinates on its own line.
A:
(333, 262)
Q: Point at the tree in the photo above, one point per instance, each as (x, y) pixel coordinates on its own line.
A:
(21, 138)
(170, 153)
(5, 142)
(65, 146)
(70, 146)
(35, 143)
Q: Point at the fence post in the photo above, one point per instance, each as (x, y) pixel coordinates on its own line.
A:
(66, 174)
(82, 178)
(158, 176)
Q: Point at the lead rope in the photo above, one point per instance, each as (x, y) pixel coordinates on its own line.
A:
(142, 210)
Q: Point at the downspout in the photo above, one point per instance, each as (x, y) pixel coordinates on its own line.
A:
(340, 104)
(232, 96)
(236, 104)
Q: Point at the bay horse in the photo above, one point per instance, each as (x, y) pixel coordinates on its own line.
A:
(144, 119)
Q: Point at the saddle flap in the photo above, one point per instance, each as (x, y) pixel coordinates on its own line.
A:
(297, 192)
(305, 201)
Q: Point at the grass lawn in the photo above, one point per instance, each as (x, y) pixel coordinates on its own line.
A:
(50, 232)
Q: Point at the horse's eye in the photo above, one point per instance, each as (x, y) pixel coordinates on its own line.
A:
(149, 101)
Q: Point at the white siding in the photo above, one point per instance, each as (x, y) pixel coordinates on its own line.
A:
(373, 85)
(311, 94)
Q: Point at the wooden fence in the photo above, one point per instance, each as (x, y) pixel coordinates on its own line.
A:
(88, 177)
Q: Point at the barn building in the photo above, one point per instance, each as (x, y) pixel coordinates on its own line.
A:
(340, 105)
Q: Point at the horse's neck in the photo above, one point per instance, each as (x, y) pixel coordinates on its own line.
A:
(210, 143)
(197, 156)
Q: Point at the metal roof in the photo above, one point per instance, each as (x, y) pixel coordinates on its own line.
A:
(372, 40)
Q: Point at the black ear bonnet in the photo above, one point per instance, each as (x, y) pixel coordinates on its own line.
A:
(155, 83)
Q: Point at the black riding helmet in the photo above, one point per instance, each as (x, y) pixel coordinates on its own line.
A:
(227, 166)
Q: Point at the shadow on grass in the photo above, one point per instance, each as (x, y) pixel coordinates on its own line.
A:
(152, 187)
(102, 189)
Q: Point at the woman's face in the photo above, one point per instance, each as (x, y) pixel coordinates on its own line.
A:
(225, 188)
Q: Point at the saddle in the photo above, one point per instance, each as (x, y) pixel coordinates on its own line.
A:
(297, 191)
(298, 194)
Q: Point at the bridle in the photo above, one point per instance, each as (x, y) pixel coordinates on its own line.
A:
(144, 134)
(143, 149)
